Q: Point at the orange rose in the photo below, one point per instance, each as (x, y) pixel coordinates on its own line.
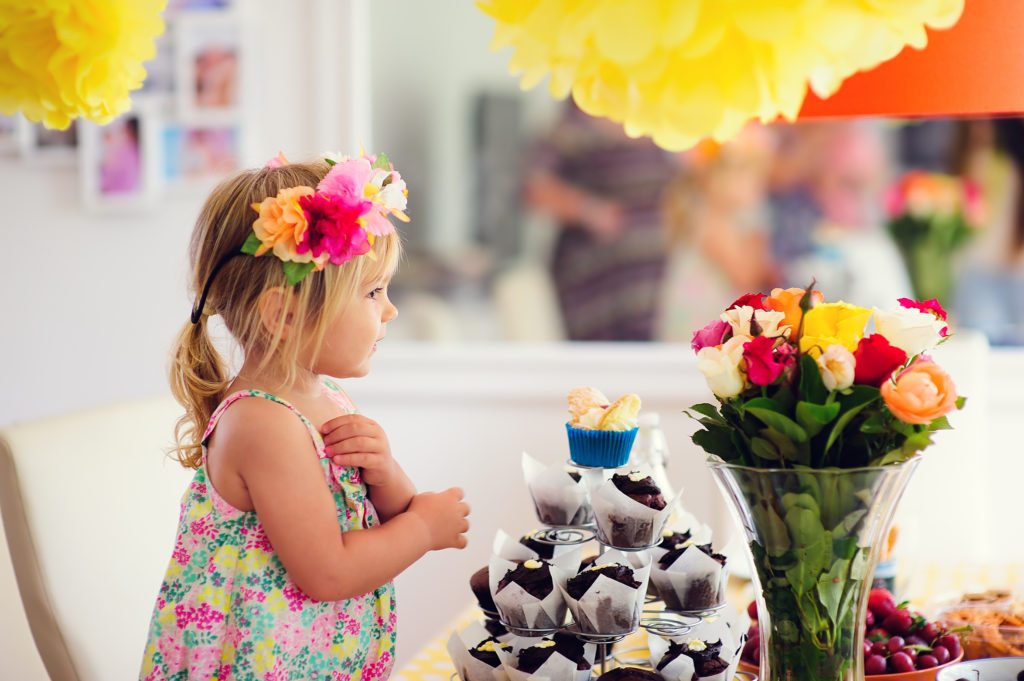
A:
(921, 394)
(282, 224)
(787, 300)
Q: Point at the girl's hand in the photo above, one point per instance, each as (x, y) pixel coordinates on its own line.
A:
(444, 515)
(354, 440)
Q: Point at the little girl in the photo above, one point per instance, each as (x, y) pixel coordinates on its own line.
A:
(298, 517)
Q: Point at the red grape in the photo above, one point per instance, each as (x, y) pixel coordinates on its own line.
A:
(752, 610)
(750, 648)
(867, 648)
(911, 652)
(898, 622)
(941, 653)
(927, 662)
(915, 640)
(869, 619)
(895, 644)
(951, 643)
(874, 665)
(878, 634)
(879, 648)
(900, 663)
(881, 602)
(929, 632)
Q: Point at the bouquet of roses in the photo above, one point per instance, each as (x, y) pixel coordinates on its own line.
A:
(930, 217)
(816, 400)
(802, 382)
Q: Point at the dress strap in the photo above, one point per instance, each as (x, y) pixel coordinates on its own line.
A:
(318, 439)
(338, 396)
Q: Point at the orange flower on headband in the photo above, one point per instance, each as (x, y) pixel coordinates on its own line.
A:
(282, 224)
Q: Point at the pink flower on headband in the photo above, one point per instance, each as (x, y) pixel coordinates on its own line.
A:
(370, 178)
(334, 228)
(347, 179)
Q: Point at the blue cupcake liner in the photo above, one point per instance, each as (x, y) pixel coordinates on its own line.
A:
(600, 448)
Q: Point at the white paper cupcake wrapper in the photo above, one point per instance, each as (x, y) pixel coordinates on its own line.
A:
(468, 667)
(522, 610)
(679, 669)
(558, 499)
(624, 522)
(509, 548)
(608, 606)
(555, 668)
(693, 570)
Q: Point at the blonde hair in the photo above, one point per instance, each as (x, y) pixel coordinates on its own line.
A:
(198, 373)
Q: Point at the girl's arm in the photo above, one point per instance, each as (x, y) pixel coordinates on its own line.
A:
(393, 498)
(275, 458)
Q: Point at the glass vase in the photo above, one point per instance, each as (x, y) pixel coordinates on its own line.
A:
(814, 539)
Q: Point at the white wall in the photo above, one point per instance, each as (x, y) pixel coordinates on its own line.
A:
(92, 303)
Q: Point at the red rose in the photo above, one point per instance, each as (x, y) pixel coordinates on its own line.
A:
(875, 360)
(764, 364)
(754, 300)
(930, 306)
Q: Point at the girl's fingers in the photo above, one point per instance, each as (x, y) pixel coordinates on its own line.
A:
(358, 443)
(356, 460)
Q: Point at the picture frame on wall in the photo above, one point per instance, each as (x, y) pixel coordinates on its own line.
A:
(195, 156)
(119, 163)
(40, 144)
(209, 63)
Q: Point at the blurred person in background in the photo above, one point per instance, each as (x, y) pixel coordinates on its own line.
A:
(827, 213)
(990, 290)
(604, 190)
(718, 232)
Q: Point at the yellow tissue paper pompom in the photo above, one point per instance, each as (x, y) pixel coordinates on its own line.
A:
(61, 59)
(682, 70)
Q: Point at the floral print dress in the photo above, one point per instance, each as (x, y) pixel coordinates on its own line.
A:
(228, 610)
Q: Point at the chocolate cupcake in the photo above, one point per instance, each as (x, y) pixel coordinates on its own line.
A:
(542, 549)
(640, 488)
(670, 539)
(534, 576)
(696, 587)
(480, 584)
(629, 674)
(578, 585)
(620, 522)
(495, 628)
(566, 645)
(486, 651)
(707, 660)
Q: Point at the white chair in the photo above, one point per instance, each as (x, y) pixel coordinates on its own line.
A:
(90, 506)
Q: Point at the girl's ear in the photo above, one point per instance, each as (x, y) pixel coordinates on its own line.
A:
(274, 315)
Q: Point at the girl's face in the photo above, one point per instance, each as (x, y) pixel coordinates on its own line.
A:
(352, 337)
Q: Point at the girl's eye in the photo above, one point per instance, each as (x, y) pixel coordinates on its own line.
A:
(375, 292)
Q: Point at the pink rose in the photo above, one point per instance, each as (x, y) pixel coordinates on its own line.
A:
(711, 335)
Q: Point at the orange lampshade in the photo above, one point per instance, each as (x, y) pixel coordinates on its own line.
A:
(975, 68)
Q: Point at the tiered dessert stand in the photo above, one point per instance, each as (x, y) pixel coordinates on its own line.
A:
(655, 618)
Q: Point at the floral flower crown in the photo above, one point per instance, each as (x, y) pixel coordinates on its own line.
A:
(306, 228)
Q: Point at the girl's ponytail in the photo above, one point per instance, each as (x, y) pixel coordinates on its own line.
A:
(198, 378)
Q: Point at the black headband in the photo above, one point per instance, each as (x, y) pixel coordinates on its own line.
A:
(197, 311)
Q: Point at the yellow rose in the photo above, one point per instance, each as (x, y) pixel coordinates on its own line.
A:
(833, 324)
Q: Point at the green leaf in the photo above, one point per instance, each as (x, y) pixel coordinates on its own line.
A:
(803, 500)
(813, 417)
(774, 536)
(761, 403)
(252, 244)
(847, 524)
(718, 441)
(812, 388)
(787, 450)
(779, 422)
(960, 402)
(876, 423)
(812, 560)
(330, 162)
(764, 449)
(382, 162)
(708, 410)
(804, 527)
(854, 403)
(830, 589)
(941, 423)
(295, 272)
(859, 565)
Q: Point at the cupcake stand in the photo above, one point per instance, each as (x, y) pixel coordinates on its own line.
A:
(655, 617)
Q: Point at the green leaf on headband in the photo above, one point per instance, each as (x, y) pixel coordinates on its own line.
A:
(252, 244)
(295, 272)
(382, 162)
(330, 162)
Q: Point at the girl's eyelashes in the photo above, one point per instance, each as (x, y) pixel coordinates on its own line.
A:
(375, 292)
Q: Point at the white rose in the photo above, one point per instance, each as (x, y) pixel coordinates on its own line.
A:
(770, 322)
(393, 196)
(913, 331)
(837, 367)
(721, 367)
